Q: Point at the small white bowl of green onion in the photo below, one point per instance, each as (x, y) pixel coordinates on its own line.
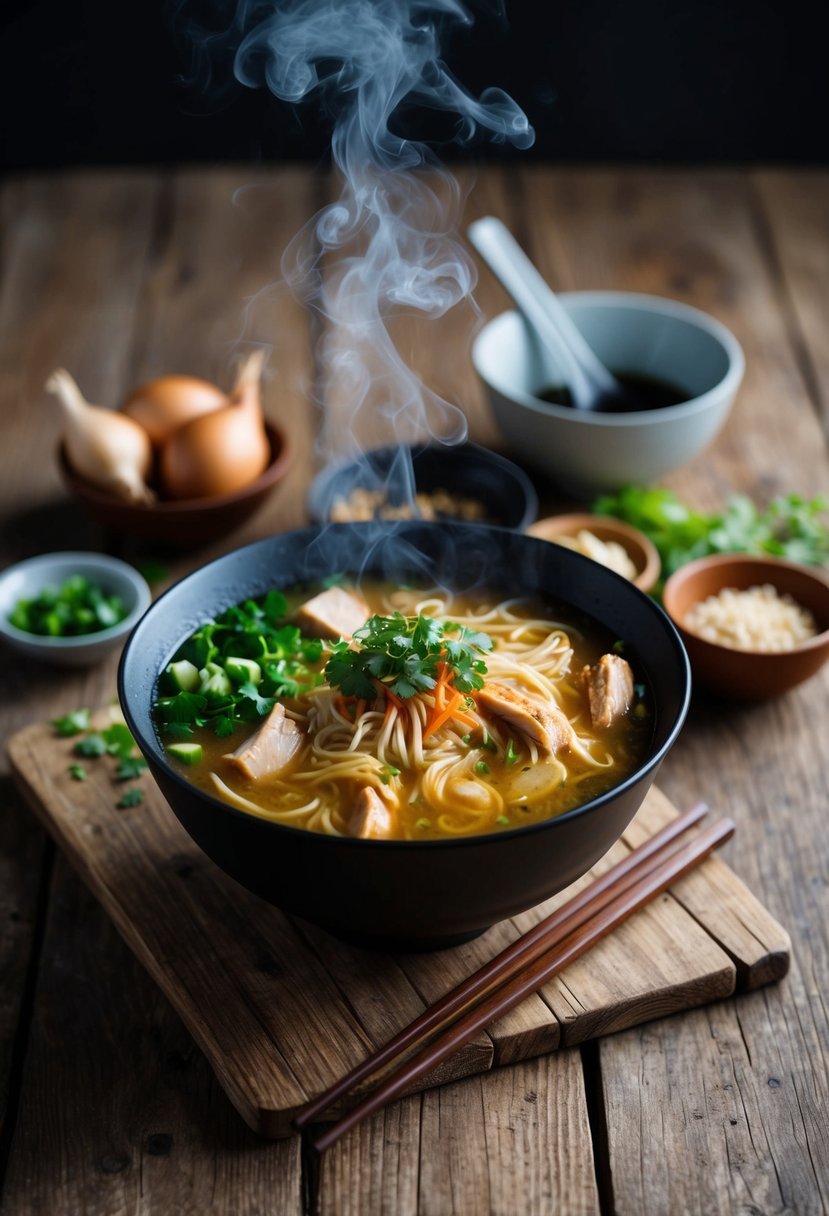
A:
(70, 608)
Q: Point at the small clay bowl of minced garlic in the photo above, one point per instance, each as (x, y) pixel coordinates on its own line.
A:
(180, 463)
(754, 627)
(609, 541)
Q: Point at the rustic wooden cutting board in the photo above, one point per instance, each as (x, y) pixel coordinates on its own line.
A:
(281, 1009)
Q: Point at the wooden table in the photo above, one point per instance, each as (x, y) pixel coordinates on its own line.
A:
(108, 1106)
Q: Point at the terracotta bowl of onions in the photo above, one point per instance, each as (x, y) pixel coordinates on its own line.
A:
(181, 463)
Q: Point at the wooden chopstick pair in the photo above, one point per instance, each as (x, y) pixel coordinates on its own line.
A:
(522, 968)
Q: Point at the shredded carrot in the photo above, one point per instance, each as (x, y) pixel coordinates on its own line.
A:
(437, 720)
(441, 686)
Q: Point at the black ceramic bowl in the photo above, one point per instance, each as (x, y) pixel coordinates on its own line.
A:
(408, 894)
(467, 470)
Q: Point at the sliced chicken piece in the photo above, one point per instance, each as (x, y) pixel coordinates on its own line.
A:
(609, 686)
(334, 613)
(269, 750)
(546, 725)
(372, 818)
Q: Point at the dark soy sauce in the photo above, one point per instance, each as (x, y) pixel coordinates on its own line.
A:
(641, 393)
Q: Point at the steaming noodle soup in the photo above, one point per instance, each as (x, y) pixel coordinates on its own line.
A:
(401, 714)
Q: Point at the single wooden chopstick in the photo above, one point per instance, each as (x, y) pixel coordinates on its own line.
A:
(532, 976)
(538, 939)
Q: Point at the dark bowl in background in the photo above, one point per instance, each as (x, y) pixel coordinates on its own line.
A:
(505, 491)
(188, 521)
(408, 894)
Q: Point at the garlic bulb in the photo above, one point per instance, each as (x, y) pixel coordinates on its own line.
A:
(110, 450)
(223, 450)
(164, 404)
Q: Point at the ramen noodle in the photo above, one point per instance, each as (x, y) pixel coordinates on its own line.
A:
(412, 715)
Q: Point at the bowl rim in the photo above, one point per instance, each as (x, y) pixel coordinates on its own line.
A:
(726, 561)
(68, 560)
(324, 479)
(485, 839)
(281, 457)
(625, 301)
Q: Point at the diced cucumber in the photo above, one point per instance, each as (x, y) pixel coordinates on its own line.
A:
(184, 675)
(243, 671)
(187, 753)
(214, 682)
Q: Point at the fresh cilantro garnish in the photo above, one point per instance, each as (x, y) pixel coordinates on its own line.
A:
(177, 731)
(404, 653)
(77, 772)
(282, 661)
(74, 723)
(130, 768)
(131, 797)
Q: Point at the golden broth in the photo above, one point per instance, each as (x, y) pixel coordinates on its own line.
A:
(474, 776)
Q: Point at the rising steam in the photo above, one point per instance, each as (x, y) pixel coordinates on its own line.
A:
(387, 244)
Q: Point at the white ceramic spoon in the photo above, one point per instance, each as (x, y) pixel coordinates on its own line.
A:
(591, 385)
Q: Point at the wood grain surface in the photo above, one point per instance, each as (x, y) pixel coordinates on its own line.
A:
(107, 1106)
(282, 1011)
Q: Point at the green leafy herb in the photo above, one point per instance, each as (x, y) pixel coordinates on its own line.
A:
(119, 742)
(246, 658)
(131, 797)
(77, 772)
(503, 820)
(511, 756)
(387, 772)
(92, 745)
(130, 768)
(404, 653)
(790, 526)
(482, 768)
(74, 723)
(77, 607)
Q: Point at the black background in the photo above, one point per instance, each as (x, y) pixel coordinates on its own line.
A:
(668, 81)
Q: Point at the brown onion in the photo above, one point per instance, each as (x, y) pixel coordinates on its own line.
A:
(161, 406)
(221, 451)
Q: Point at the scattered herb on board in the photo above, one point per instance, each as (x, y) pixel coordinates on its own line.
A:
(233, 668)
(129, 798)
(406, 654)
(74, 723)
(76, 608)
(114, 740)
(130, 768)
(790, 526)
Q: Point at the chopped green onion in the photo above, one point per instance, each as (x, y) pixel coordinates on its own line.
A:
(76, 608)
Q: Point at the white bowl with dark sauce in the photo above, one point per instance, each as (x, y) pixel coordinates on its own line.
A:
(654, 344)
